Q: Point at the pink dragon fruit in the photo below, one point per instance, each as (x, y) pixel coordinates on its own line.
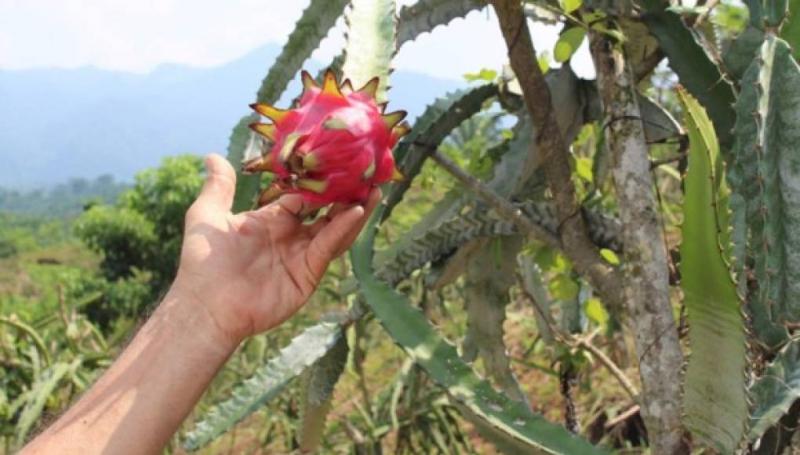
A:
(335, 146)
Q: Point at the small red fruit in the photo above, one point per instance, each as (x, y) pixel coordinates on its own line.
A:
(335, 146)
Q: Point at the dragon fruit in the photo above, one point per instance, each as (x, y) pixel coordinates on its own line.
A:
(335, 146)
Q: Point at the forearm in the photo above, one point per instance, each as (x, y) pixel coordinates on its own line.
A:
(138, 404)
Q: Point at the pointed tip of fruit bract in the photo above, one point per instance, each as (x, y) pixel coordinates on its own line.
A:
(308, 81)
(271, 112)
(265, 129)
(261, 164)
(397, 176)
(270, 194)
(401, 130)
(394, 118)
(347, 87)
(329, 84)
(371, 87)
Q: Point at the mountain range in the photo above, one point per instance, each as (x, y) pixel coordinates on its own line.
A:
(56, 124)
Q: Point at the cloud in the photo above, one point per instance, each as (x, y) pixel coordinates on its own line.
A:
(137, 36)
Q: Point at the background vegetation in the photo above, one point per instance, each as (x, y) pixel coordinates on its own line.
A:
(609, 278)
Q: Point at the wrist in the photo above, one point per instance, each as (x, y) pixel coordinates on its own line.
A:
(186, 307)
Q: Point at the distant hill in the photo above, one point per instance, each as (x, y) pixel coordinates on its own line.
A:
(62, 200)
(58, 124)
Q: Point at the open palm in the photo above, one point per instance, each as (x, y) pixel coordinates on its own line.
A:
(253, 270)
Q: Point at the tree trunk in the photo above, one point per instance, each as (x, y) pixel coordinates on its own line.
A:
(646, 275)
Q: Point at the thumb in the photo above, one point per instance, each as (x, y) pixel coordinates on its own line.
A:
(220, 184)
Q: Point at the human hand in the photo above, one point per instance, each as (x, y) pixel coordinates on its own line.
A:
(253, 270)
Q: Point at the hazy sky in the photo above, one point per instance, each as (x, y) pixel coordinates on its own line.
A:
(137, 35)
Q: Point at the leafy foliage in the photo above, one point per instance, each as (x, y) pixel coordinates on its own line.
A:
(58, 333)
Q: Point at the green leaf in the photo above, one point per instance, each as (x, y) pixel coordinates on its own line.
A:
(569, 42)
(715, 401)
(544, 62)
(317, 19)
(775, 391)
(595, 311)
(765, 178)
(484, 74)
(410, 329)
(570, 5)
(563, 287)
(583, 168)
(265, 384)
(425, 15)
(370, 43)
(609, 256)
(244, 144)
(695, 69)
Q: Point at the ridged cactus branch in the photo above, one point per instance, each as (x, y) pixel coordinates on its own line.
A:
(425, 15)
(486, 298)
(412, 331)
(502, 206)
(765, 179)
(714, 401)
(554, 154)
(645, 265)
